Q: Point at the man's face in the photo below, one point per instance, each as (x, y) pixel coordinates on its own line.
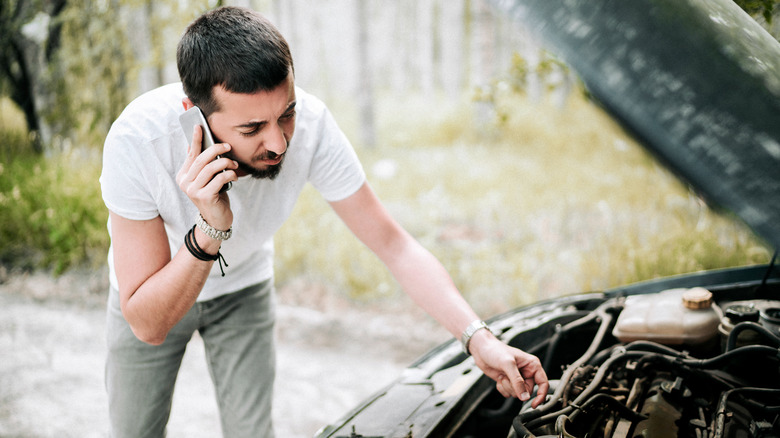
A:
(257, 126)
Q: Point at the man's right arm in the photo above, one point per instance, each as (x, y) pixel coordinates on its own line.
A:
(155, 290)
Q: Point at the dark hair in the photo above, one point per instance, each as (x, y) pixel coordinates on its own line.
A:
(234, 47)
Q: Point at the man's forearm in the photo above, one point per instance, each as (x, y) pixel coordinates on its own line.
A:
(430, 286)
(163, 299)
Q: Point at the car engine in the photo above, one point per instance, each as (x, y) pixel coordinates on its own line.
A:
(671, 364)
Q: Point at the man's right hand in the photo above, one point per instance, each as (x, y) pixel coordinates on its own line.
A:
(201, 178)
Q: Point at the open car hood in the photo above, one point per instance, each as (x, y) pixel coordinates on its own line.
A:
(697, 82)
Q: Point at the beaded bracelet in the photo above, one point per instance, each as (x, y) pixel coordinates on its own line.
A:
(199, 253)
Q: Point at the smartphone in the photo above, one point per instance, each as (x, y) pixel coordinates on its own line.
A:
(190, 118)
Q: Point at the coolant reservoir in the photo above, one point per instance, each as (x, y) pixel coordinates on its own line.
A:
(672, 317)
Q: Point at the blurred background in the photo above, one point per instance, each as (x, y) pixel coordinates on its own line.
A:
(481, 144)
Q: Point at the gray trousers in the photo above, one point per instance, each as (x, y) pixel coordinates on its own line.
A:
(237, 331)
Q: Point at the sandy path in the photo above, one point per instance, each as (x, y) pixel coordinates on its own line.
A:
(52, 352)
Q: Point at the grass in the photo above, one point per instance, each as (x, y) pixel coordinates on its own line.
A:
(548, 202)
(51, 211)
(556, 201)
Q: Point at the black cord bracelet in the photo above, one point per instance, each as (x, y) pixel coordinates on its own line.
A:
(192, 246)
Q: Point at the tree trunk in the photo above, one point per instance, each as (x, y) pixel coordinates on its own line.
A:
(139, 31)
(365, 89)
(30, 51)
(452, 29)
(483, 61)
(425, 36)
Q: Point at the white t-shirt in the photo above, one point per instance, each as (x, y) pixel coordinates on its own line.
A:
(146, 147)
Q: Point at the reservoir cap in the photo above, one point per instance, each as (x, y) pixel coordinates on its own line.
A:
(697, 298)
(737, 313)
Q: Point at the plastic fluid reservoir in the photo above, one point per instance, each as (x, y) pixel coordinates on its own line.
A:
(672, 317)
(734, 314)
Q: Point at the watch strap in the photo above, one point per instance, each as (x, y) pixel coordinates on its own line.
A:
(211, 231)
(472, 328)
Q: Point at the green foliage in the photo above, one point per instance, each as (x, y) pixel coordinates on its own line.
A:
(91, 53)
(763, 8)
(51, 211)
(93, 74)
(520, 71)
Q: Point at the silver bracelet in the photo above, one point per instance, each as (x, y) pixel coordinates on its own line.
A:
(213, 232)
(465, 338)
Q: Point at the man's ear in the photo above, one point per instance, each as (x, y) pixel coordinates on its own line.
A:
(187, 103)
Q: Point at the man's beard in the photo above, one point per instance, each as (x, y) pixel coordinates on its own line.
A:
(270, 172)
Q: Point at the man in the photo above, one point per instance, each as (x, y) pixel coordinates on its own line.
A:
(170, 221)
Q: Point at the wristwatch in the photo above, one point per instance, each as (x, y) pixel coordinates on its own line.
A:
(472, 328)
(213, 232)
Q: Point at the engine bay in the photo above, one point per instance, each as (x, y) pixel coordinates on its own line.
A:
(691, 356)
(657, 365)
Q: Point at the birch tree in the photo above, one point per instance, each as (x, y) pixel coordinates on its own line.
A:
(365, 88)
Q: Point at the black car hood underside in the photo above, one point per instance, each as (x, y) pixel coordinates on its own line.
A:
(697, 82)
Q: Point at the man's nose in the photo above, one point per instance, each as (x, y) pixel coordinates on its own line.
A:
(277, 142)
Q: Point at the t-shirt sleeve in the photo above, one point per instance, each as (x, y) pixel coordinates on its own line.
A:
(124, 182)
(336, 171)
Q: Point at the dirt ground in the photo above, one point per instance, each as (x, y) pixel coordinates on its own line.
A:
(332, 353)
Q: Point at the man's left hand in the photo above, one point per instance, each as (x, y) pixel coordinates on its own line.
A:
(515, 371)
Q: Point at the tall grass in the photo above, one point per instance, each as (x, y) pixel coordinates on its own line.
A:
(552, 202)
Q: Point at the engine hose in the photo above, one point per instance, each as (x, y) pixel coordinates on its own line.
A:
(525, 421)
(535, 418)
(729, 356)
(650, 346)
(560, 331)
(748, 325)
(533, 423)
(714, 362)
(572, 411)
(646, 346)
(520, 430)
(503, 411)
(721, 414)
(612, 403)
(560, 427)
(563, 420)
(542, 414)
(606, 323)
(602, 372)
